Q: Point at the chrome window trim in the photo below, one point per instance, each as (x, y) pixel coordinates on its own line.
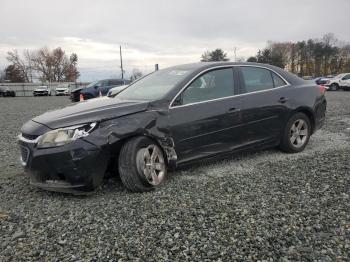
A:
(221, 98)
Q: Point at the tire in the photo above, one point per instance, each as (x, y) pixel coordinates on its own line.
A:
(133, 157)
(334, 87)
(295, 139)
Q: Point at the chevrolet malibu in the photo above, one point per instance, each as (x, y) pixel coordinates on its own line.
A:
(168, 118)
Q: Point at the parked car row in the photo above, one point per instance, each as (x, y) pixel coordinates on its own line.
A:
(109, 87)
(61, 90)
(334, 83)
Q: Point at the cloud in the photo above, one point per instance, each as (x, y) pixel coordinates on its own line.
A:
(164, 32)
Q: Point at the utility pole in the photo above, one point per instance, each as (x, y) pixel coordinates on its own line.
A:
(121, 61)
(235, 49)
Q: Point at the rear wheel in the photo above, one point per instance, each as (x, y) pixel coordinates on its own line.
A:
(296, 134)
(142, 165)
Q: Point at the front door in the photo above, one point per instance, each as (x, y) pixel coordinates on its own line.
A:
(204, 116)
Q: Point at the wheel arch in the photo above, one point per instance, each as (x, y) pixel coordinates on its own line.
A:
(116, 147)
(309, 113)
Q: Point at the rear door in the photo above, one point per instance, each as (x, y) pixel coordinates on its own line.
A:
(204, 116)
(265, 99)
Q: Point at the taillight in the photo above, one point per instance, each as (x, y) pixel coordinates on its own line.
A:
(322, 89)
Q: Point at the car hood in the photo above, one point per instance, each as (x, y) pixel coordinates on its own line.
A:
(40, 89)
(77, 89)
(90, 111)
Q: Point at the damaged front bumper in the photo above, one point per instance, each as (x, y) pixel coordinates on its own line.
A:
(75, 167)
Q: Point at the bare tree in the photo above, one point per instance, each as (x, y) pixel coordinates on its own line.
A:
(22, 65)
(54, 65)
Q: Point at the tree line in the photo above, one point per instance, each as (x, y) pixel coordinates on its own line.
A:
(46, 64)
(312, 57)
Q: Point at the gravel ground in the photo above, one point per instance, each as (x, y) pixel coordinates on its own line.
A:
(260, 206)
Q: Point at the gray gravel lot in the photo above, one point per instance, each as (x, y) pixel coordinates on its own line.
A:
(260, 206)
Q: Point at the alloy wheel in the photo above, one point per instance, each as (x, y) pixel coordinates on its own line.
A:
(299, 133)
(150, 163)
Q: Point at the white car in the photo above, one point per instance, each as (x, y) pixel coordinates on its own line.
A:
(116, 90)
(42, 91)
(339, 81)
(62, 90)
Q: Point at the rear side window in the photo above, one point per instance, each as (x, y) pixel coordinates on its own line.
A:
(256, 79)
(278, 81)
(211, 85)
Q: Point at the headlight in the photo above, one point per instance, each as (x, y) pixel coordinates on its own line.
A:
(62, 136)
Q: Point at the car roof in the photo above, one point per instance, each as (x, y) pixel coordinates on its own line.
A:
(196, 67)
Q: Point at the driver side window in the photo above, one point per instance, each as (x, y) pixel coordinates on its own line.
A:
(211, 85)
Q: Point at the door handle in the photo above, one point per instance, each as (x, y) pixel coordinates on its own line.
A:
(283, 100)
(234, 109)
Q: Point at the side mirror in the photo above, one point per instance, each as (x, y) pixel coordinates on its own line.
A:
(95, 87)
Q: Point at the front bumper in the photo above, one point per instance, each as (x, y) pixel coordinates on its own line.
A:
(41, 93)
(61, 93)
(72, 168)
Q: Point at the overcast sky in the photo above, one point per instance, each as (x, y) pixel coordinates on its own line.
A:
(167, 32)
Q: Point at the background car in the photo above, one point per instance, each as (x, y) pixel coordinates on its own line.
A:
(321, 80)
(308, 77)
(5, 91)
(62, 90)
(339, 81)
(96, 88)
(116, 90)
(42, 91)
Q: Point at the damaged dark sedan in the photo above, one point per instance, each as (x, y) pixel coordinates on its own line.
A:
(168, 118)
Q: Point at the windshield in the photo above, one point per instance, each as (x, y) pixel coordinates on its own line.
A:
(92, 84)
(155, 85)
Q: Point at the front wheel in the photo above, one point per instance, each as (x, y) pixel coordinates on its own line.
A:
(296, 134)
(142, 165)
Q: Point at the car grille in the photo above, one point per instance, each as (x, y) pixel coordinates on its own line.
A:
(24, 154)
(29, 137)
